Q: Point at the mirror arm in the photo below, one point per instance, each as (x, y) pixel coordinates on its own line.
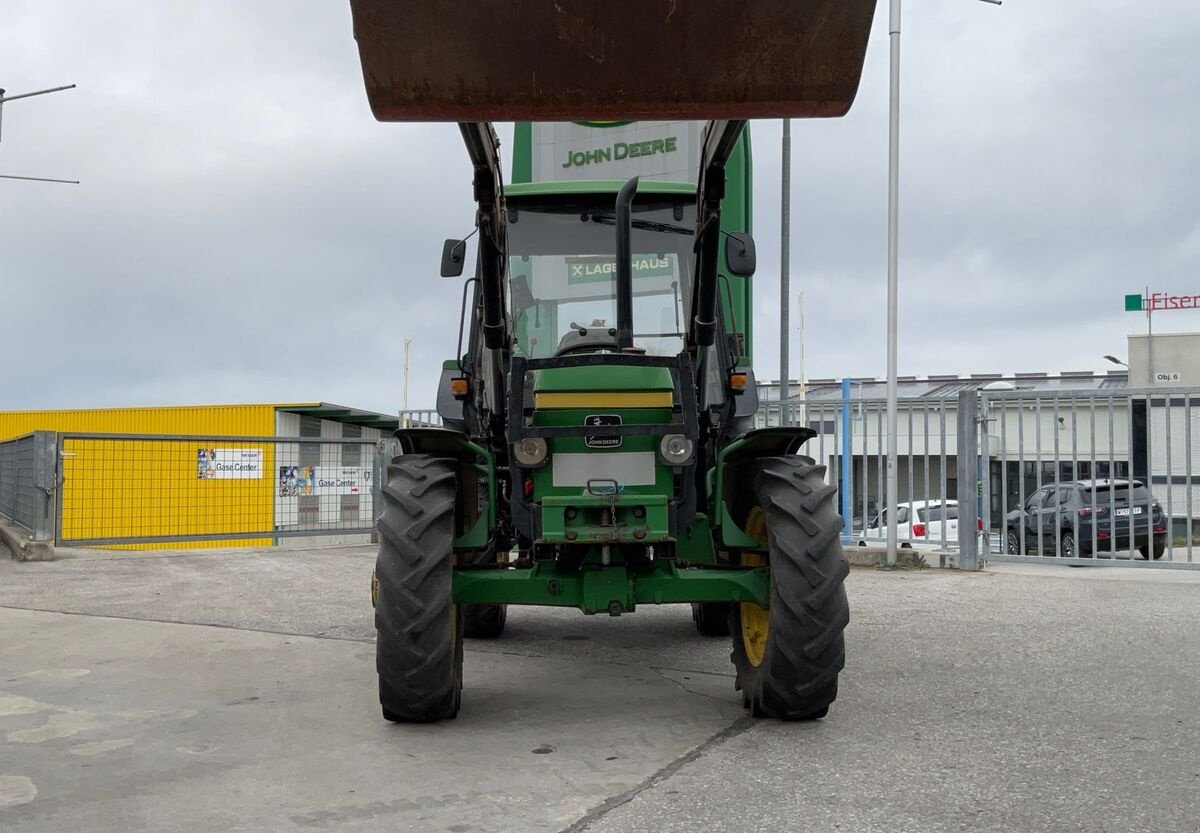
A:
(483, 147)
(462, 314)
(720, 139)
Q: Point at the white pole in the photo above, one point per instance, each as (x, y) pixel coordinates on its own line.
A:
(407, 343)
(785, 245)
(893, 282)
(800, 377)
(893, 278)
(1149, 338)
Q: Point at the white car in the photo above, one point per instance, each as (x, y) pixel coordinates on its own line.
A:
(920, 524)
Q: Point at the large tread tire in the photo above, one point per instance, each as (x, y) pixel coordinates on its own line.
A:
(484, 621)
(711, 618)
(797, 677)
(418, 651)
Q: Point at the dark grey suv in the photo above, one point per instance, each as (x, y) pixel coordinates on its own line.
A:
(1070, 519)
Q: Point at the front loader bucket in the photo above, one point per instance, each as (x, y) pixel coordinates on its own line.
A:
(565, 60)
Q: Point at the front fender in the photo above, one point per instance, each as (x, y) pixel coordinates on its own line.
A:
(474, 464)
(731, 475)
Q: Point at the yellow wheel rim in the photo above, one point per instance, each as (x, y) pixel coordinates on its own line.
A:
(756, 622)
(756, 625)
(374, 588)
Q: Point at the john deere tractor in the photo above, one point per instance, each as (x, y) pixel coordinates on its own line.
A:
(597, 449)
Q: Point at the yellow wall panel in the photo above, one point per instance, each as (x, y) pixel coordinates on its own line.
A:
(128, 488)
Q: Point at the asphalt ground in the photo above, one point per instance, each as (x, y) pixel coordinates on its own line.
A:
(235, 691)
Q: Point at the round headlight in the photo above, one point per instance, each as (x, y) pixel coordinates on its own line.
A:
(530, 451)
(676, 449)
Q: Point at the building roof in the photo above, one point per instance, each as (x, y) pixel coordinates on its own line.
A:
(937, 386)
(322, 410)
(343, 414)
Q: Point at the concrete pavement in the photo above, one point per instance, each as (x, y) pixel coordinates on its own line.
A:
(235, 691)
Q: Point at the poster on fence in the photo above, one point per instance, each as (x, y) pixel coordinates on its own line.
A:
(229, 463)
(313, 497)
(343, 480)
(297, 480)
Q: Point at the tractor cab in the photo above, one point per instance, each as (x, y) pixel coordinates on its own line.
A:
(562, 271)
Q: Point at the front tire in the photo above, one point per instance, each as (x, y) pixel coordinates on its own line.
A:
(788, 657)
(418, 650)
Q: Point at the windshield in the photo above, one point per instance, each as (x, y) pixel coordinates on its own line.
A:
(562, 274)
(932, 514)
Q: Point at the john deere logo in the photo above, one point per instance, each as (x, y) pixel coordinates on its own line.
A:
(602, 123)
(600, 440)
(621, 150)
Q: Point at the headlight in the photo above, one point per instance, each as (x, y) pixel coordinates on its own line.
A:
(530, 451)
(676, 449)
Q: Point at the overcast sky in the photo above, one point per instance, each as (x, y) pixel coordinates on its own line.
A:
(246, 232)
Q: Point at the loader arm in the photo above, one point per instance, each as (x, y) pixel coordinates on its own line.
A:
(720, 138)
(483, 147)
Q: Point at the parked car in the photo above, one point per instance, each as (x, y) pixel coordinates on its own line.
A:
(920, 524)
(858, 516)
(1068, 518)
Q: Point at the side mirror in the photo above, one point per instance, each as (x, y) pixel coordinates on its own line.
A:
(454, 252)
(739, 254)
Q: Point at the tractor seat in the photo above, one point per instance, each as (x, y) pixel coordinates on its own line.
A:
(587, 340)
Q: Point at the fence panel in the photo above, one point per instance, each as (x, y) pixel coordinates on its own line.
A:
(27, 480)
(1112, 483)
(146, 490)
(420, 419)
(851, 442)
(1032, 444)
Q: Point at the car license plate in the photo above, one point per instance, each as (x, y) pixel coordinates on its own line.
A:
(1121, 513)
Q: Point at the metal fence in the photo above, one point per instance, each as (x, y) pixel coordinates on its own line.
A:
(148, 490)
(27, 481)
(420, 419)
(1017, 444)
(851, 442)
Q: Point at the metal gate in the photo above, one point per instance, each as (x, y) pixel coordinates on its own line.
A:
(148, 490)
(1091, 477)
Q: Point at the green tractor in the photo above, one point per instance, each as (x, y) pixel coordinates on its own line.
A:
(597, 449)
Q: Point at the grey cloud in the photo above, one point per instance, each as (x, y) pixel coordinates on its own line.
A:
(247, 232)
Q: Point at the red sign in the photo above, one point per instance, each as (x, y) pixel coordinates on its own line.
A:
(1162, 300)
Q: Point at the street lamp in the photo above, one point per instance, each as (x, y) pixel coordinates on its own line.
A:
(1115, 360)
(893, 249)
(6, 98)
